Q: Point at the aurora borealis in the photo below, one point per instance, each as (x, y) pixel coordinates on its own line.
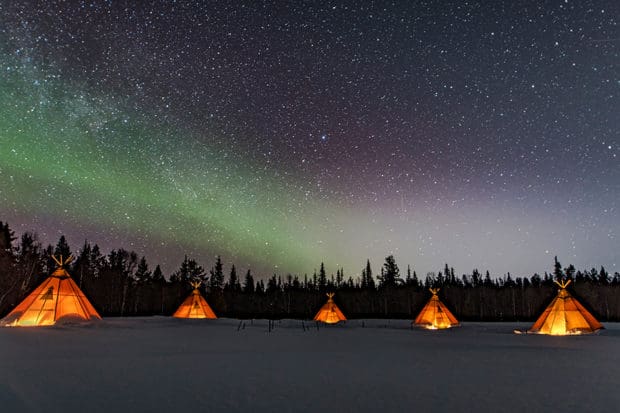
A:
(283, 134)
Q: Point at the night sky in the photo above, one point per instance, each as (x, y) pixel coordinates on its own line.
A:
(280, 134)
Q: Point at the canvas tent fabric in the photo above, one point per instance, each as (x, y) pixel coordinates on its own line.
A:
(435, 315)
(330, 313)
(57, 298)
(565, 316)
(194, 306)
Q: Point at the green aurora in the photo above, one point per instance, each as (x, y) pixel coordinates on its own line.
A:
(90, 161)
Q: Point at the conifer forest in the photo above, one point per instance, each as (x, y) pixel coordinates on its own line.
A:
(123, 284)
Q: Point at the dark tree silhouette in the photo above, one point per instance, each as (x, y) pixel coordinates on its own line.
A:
(248, 283)
(391, 274)
(62, 248)
(558, 274)
(189, 272)
(233, 281)
(216, 281)
(122, 284)
(367, 278)
(322, 280)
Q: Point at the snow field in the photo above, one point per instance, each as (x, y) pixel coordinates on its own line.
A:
(161, 364)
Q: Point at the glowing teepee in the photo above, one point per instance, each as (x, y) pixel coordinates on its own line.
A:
(57, 298)
(194, 306)
(565, 316)
(330, 313)
(435, 315)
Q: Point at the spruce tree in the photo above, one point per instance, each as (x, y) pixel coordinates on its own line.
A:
(558, 274)
(272, 284)
(260, 286)
(570, 272)
(390, 274)
(339, 277)
(248, 283)
(488, 282)
(217, 275)
(367, 279)
(143, 275)
(62, 248)
(96, 261)
(322, 278)
(7, 236)
(415, 281)
(181, 276)
(189, 272)
(8, 279)
(233, 280)
(158, 276)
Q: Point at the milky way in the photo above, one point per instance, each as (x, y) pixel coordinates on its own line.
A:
(283, 134)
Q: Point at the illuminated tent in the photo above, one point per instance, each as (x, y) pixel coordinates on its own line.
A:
(330, 313)
(435, 315)
(57, 298)
(565, 316)
(194, 306)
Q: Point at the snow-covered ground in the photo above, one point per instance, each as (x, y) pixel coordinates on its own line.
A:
(167, 365)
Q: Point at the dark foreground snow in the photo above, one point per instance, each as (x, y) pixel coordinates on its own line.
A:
(168, 365)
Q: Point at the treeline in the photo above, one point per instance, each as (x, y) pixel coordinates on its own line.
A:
(123, 284)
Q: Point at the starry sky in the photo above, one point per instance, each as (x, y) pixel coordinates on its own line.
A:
(280, 134)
